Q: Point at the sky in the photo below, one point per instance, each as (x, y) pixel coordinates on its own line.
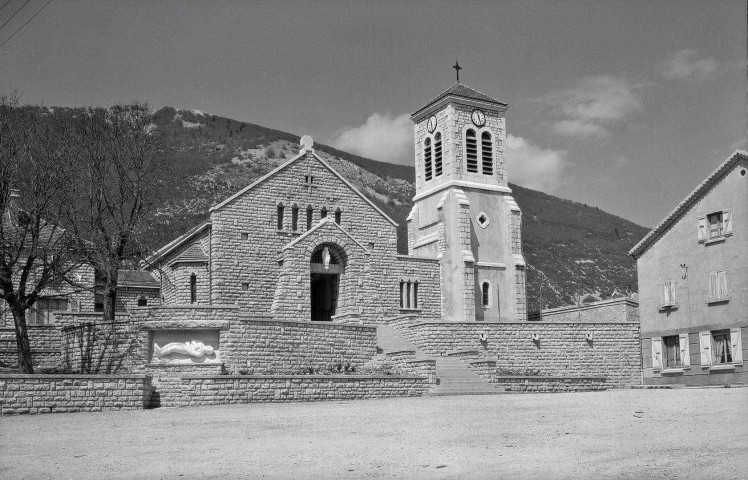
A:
(623, 105)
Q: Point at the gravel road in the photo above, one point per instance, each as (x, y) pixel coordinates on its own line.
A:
(668, 434)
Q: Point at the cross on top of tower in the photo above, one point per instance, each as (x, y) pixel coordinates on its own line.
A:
(457, 68)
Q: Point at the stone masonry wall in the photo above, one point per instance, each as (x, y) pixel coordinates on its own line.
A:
(426, 272)
(562, 348)
(45, 346)
(203, 390)
(32, 394)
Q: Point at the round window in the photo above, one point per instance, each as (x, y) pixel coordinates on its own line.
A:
(483, 220)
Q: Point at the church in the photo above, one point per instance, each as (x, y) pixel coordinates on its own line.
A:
(301, 243)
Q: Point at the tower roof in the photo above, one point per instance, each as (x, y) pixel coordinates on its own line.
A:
(462, 91)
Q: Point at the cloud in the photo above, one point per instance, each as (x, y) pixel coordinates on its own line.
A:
(590, 108)
(534, 167)
(686, 65)
(383, 137)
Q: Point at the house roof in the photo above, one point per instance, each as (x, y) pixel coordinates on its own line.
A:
(301, 154)
(140, 278)
(463, 91)
(176, 243)
(191, 254)
(689, 201)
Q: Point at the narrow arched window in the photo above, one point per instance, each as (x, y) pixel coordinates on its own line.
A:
(402, 294)
(415, 295)
(486, 294)
(338, 216)
(295, 218)
(427, 158)
(407, 295)
(437, 154)
(323, 213)
(142, 302)
(486, 153)
(309, 212)
(280, 217)
(193, 288)
(471, 151)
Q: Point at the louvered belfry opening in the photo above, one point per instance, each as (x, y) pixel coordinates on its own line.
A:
(427, 158)
(437, 154)
(471, 151)
(487, 153)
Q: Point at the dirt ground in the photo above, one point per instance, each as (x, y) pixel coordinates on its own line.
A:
(668, 434)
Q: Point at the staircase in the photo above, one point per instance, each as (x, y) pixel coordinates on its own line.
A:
(453, 377)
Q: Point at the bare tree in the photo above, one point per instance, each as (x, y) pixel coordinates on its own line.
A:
(36, 254)
(120, 173)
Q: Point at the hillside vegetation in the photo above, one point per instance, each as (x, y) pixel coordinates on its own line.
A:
(574, 252)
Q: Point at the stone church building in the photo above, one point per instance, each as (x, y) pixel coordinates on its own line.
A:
(301, 243)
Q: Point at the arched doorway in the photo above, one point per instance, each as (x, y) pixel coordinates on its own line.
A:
(326, 268)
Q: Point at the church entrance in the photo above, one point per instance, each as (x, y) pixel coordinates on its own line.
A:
(326, 268)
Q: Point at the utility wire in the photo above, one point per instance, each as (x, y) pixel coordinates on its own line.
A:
(4, 4)
(27, 22)
(11, 17)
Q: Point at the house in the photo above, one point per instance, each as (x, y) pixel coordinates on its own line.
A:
(693, 284)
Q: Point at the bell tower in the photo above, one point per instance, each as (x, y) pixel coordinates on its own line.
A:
(463, 211)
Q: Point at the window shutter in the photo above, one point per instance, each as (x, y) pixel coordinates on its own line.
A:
(713, 285)
(722, 284)
(663, 294)
(685, 356)
(673, 285)
(705, 339)
(702, 229)
(657, 353)
(726, 223)
(737, 346)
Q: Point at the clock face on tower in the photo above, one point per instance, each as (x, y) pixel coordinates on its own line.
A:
(478, 118)
(432, 124)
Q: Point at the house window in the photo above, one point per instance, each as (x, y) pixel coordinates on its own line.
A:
(487, 153)
(280, 217)
(295, 218)
(193, 288)
(309, 211)
(471, 151)
(438, 154)
(245, 287)
(486, 294)
(245, 236)
(402, 294)
(415, 295)
(427, 158)
(715, 226)
(142, 302)
(41, 312)
(408, 295)
(667, 295)
(717, 286)
(323, 213)
(721, 347)
(338, 215)
(670, 352)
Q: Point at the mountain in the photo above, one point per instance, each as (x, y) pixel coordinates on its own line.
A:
(574, 252)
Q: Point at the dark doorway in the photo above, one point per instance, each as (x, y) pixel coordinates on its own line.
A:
(324, 295)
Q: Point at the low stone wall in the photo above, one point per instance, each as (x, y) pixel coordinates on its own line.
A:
(422, 368)
(537, 384)
(286, 347)
(615, 310)
(32, 394)
(562, 349)
(486, 369)
(222, 389)
(45, 346)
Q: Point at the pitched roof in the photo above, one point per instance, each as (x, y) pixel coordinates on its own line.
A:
(301, 154)
(137, 278)
(321, 224)
(461, 90)
(176, 243)
(191, 254)
(690, 200)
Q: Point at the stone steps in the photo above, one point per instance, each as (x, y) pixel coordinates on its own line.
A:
(454, 377)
